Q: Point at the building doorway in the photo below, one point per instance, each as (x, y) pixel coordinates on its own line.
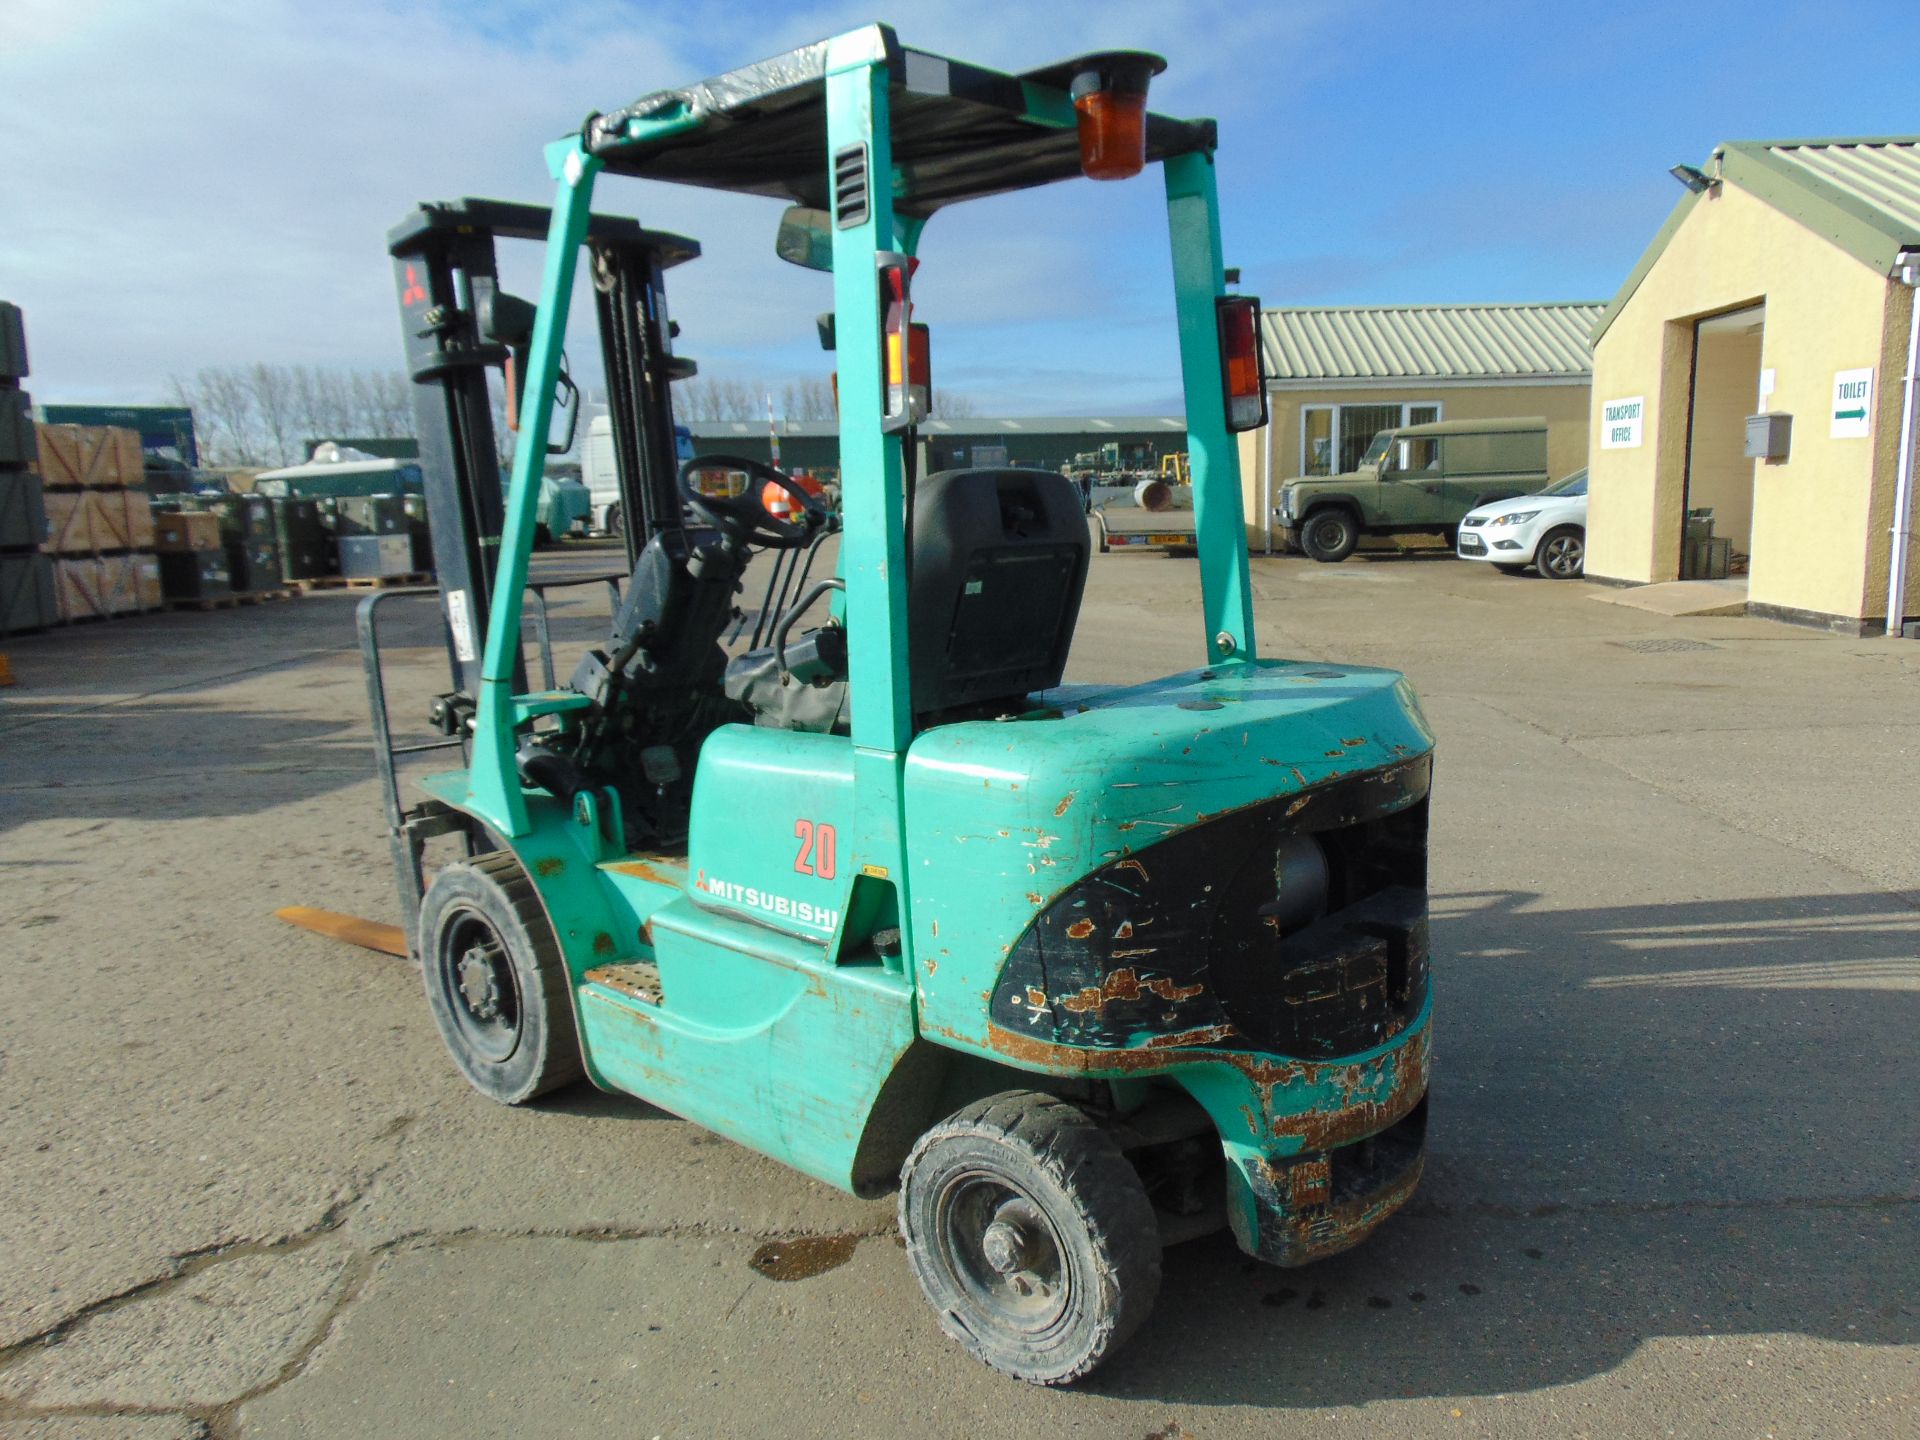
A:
(1717, 529)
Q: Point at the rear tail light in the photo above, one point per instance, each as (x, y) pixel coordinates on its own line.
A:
(1241, 379)
(903, 346)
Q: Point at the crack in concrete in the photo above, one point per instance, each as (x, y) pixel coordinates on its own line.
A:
(220, 1422)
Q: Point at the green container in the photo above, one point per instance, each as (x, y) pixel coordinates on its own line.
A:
(254, 565)
(301, 537)
(23, 518)
(13, 344)
(371, 515)
(26, 593)
(244, 517)
(18, 443)
(195, 575)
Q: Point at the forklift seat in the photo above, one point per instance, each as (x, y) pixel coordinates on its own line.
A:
(999, 565)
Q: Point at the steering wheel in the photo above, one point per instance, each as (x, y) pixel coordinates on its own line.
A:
(744, 518)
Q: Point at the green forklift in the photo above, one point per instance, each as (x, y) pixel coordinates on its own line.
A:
(1081, 971)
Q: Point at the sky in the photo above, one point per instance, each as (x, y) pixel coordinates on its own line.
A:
(195, 183)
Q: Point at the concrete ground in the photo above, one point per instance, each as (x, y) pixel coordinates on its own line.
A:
(1673, 1180)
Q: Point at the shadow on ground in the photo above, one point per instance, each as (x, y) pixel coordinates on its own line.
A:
(1649, 1122)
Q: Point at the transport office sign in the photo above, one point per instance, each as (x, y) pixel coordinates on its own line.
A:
(1622, 423)
(1852, 399)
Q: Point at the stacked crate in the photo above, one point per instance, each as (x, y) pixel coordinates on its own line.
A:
(26, 575)
(99, 524)
(193, 557)
(247, 535)
(376, 537)
(303, 539)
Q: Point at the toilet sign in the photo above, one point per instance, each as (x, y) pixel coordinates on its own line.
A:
(1852, 402)
(1622, 423)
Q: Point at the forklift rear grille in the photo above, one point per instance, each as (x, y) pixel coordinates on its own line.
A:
(850, 187)
(1190, 936)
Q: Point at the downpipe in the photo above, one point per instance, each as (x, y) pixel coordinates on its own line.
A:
(1901, 549)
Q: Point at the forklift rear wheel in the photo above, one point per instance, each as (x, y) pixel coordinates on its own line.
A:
(1031, 1235)
(542, 537)
(616, 522)
(496, 981)
(1329, 535)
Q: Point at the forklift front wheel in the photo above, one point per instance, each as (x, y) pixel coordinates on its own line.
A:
(495, 980)
(1031, 1235)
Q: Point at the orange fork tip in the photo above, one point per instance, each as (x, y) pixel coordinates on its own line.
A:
(367, 934)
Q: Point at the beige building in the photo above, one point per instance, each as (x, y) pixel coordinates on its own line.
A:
(1775, 288)
(1338, 375)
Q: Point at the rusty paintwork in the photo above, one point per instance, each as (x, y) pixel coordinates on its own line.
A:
(1182, 935)
(1299, 1238)
(657, 870)
(1126, 984)
(1376, 1096)
(1308, 1182)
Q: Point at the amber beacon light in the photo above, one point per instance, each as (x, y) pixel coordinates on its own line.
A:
(1109, 94)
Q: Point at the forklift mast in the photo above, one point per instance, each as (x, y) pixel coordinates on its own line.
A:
(457, 323)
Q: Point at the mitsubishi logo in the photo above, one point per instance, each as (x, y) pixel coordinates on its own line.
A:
(415, 293)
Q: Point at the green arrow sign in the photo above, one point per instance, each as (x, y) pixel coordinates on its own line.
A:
(1850, 414)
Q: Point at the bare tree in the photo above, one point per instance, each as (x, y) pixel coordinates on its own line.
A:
(265, 414)
(274, 389)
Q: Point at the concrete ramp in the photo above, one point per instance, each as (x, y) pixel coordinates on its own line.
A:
(1679, 597)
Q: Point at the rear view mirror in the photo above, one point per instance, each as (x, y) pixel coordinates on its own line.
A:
(805, 238)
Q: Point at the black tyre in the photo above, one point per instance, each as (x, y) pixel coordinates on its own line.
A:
(1562, 554)
(1329, 535)
(1509, 569)
(542, 537)
(1031, 1235)
(496, 982)
(616, 522)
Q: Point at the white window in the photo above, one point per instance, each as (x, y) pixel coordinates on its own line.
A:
(1334, 438)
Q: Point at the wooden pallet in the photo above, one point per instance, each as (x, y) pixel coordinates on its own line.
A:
(260, 597)
(361, 582)
(213, 602)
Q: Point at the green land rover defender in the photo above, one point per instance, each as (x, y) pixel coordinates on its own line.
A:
(1416, 480)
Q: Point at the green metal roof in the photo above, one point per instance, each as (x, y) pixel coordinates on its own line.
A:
(1860, 193)
(1430, 342)
(1095, 425)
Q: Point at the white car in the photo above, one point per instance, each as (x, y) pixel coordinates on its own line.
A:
(1547, 531)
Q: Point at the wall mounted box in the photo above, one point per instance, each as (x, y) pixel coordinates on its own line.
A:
(1769, 437)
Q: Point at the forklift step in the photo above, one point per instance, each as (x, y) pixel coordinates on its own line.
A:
(637, 979)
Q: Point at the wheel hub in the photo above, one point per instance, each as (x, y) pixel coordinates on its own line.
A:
(479, 980)
(1007, 1246)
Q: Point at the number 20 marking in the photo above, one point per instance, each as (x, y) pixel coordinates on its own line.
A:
(817, 846)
